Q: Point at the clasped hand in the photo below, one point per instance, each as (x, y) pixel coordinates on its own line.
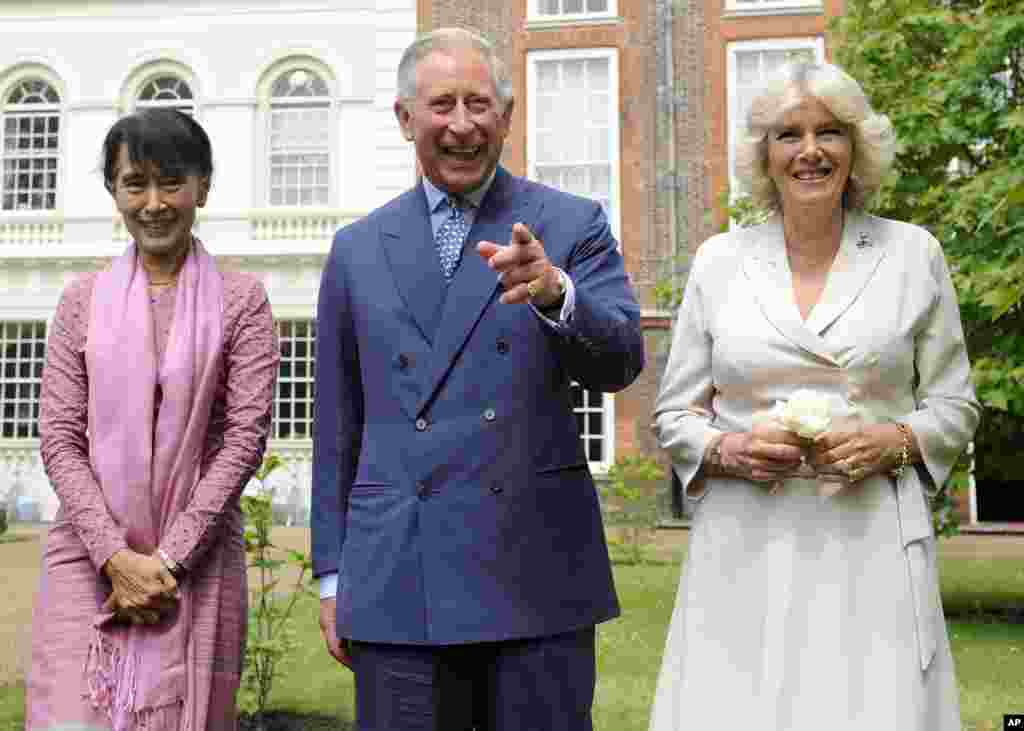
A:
(769, 453)
(143, 589)
(523, 264)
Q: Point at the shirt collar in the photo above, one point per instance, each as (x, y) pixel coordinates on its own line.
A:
(436, 196)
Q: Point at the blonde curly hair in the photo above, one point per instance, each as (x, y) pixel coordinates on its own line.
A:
(874, 141)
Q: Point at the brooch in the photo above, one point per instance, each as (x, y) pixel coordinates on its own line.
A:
(863, 240)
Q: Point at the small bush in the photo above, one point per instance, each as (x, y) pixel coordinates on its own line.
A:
(630, 501)
(271, 642)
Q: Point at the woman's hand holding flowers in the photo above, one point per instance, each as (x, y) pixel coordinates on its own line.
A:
(143, 588)
(858, 451)
(767, 453)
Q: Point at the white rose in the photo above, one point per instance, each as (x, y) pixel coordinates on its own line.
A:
(806, 413)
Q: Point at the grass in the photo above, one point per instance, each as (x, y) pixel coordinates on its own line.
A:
(971, 586)
(990, 666)
(989, 656)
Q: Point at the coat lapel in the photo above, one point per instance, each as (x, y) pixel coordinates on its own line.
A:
(856, 262)
(767, 271)
(475, 285)
(408, 243)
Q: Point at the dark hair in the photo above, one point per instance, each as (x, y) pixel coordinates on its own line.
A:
(171, 141)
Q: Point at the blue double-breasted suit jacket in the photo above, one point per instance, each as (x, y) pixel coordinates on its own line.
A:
(450, 487)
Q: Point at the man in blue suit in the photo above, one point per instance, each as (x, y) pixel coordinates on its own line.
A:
(456, 529)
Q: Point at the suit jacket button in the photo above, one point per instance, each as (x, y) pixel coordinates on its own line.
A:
(489, 415)
(503, 346)
(404, 361)
(422, 491)
(421, 424)
(497, 489)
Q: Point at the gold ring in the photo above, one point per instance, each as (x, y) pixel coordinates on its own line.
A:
(533, 288)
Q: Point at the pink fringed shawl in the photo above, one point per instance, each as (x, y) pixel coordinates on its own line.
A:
(141, 675)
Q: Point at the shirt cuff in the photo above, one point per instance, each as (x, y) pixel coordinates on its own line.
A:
(329, 585)
(568, 303)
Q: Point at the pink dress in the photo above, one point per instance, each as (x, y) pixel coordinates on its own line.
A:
(206, 538)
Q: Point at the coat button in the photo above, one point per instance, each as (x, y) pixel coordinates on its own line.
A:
(497, 489)
(421, 424)
(422, 491)
(503, 346)
(489, 415)
(404, 361)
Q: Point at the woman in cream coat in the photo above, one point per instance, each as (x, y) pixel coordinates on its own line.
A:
(801, 609)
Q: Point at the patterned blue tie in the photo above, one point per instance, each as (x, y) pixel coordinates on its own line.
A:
(451, 235)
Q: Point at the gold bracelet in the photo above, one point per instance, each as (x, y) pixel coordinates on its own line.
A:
(897, 471)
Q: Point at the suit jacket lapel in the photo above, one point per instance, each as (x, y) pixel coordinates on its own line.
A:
(408, 243)
(856, 262)
(474, 285)
(767, 271)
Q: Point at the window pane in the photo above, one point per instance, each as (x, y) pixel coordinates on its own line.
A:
(574, 137)
(22, 352)
(547, 76)
(293, 398)
(572, 74)
(298, 162)
(30, 155)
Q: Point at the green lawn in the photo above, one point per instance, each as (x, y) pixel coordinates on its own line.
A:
(989, 656)
(970, 586)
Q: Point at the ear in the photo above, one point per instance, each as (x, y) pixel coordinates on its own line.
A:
(204, 190)
(404, 118)
(506, 114)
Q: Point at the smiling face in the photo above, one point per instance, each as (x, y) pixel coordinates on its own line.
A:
(810, 154)
(456, 120)
(158, 209)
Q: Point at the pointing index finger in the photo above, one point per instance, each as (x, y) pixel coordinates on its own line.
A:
(521, 234)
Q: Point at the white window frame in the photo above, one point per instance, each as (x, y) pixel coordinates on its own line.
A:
(608, 432)
(187, 106)
(150, 71)
(813, 43)
(310, 380)
(614, 131)
(18, 380)
(47, 110)
(773, 7)
(264, 122)
(535, 16)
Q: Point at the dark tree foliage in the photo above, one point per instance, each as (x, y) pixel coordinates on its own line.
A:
(950, 75)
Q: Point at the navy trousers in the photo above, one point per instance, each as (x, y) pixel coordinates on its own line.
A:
(535, 684)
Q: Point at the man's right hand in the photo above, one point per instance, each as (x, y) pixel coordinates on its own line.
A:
(328, 628)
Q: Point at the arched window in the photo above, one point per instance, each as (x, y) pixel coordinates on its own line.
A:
(30, 146)
(166, 91)
(298, 149)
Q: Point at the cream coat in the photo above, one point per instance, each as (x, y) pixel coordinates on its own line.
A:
(886, 339)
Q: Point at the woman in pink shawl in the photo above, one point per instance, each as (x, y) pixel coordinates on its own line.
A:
(155, 409)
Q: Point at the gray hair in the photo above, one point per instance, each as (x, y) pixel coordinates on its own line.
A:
(874, 141)
(450, 39)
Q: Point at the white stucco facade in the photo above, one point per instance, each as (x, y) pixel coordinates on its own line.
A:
(100, 58)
